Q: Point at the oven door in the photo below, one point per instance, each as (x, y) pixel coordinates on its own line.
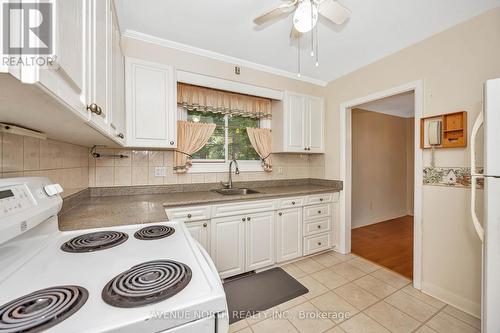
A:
(222, 321)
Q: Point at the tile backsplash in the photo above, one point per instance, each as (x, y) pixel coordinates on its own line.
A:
(73, 167)
(139, 169)
(63, 163)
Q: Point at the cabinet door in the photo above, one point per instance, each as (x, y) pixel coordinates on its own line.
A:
(118, 86)
(288, 234)
(151, 104)
(315, 125)
(294, 131)
(68, 82)
(100, 63)
(227, 247)
(259, 240)
(200, 231)
(71, 39)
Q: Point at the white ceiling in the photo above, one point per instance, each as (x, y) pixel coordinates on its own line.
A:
(402, 105)
(376, 29)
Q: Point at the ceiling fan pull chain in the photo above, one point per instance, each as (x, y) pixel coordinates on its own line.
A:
(298, 56)
(317, 45)
(312, 25)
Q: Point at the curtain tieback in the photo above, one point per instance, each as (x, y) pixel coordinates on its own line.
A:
(264, 158)
(181, 152)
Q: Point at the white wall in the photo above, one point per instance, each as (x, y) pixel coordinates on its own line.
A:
(453, 66)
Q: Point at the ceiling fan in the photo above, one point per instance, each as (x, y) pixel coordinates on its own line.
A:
(305, 19)
(306, 13)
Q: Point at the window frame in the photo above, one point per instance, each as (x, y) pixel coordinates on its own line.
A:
(209, 166)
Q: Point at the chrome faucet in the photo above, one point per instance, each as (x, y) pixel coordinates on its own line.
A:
(229, 184)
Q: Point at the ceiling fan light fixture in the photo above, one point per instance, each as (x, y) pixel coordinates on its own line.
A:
(303, 21)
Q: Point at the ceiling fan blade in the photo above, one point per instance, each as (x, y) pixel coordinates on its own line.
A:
(276, 12)
(334, 11)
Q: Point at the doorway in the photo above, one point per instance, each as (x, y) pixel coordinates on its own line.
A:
(403, 225)
(382, 182)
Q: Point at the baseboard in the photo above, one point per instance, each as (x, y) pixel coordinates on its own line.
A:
(474, 309)
(370, 221)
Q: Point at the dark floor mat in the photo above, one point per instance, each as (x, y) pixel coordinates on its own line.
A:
(253, 293)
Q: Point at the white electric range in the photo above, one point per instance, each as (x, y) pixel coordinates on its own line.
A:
(137, 278)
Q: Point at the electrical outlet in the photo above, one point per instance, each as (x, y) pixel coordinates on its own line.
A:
(160, 171)
(280, 170)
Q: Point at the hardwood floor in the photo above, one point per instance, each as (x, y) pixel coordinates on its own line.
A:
(388, 243)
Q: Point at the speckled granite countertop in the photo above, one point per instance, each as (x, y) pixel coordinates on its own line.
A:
(107, 211)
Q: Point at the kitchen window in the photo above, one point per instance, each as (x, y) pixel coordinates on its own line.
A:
(232, 114)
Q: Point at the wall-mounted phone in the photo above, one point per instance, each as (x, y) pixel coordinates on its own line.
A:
(434, 133)
(444, 131)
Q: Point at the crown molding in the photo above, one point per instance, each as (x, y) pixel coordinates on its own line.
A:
(218, 56)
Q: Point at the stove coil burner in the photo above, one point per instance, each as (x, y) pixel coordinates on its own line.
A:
(154, 232)
(42, 309)
(147, 283)
(94, 241)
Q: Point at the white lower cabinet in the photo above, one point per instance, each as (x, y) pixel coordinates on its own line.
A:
(259, 240)
(288, 234)
(200, 231)
(242, 243)
(252, 235)
(228, 245)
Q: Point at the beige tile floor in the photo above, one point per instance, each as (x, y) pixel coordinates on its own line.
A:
(350, 294)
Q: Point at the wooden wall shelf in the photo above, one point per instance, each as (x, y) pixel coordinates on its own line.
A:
(454, 130)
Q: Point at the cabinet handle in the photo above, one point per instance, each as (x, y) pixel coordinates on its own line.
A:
(321, 199)
(248, 219)
(189, 216)
(280, 214)
(172, 143)
(319, 212)
(319, 227)
(305, 148)
(319, 243)
(204, 225)
(94, 108)
(293, 202)
(120, 135)
(243, 219)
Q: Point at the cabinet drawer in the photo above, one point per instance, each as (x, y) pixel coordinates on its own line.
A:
(319, 198)
(290, 202)
(239, 208)
(317, 226)
(314, 212)
(317, 243)
(186, 214)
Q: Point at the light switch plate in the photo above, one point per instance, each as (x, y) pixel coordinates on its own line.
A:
(160, 171)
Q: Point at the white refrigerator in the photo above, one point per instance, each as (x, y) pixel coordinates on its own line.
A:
(489, 229)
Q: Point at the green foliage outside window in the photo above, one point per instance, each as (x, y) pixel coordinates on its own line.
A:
(238, 142)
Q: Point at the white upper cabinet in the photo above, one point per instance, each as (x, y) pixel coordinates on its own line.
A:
(66, 80)
(298, 124)
(99, 64)
(315, 125)
(118, 85)
(151, 106)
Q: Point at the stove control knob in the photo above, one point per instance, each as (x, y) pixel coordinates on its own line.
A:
(53, 189)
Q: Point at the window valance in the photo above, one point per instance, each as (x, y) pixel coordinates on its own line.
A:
(194, 98)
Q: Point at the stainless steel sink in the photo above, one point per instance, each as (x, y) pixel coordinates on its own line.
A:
(236, 191)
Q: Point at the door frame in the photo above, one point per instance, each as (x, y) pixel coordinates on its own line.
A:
(346, 165)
